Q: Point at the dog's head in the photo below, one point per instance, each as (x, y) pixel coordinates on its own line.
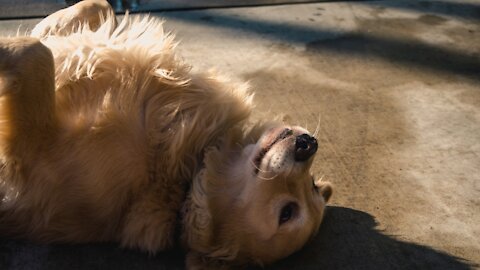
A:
(255, 203)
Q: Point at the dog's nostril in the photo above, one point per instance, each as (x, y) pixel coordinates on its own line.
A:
(305, 147)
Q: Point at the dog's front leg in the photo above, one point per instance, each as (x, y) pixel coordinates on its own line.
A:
(64, 21)
(152, 220)
(27, 103)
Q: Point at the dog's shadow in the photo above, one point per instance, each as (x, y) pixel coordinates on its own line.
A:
(347, 239)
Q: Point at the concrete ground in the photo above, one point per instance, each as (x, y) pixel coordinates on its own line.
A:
(395, 88)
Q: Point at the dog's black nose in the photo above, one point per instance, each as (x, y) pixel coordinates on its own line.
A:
(305, 147)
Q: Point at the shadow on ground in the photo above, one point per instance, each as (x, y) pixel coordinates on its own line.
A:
(402, 52)
(387, 46)
(470, 11)
(19, 255)
(348, 240)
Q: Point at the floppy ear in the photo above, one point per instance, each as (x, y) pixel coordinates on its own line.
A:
(196, 216)
(202, 220)
(325, 188)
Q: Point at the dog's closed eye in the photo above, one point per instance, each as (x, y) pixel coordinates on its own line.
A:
(288, 212)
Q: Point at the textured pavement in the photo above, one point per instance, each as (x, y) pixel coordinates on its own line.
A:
(395, 89)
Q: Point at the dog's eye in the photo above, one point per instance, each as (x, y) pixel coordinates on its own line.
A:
(288, 211)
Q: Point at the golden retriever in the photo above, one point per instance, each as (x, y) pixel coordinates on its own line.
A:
(106, 135)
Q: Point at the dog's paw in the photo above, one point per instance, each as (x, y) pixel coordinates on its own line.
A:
(63, 22)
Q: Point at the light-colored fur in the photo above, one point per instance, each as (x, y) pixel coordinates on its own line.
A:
(106, 135)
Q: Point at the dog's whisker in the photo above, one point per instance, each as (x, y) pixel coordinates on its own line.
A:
(257, 168)
(263, 171)
(317, 129)
(267, 178)
(319, 180)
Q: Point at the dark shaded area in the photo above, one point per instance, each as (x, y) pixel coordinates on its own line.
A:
(280, 31)
(403, 52)
(460, 10)
(406, 52)
(10, 9)
(162, 5)
(23, 9)
(348, 240)
(18, 255)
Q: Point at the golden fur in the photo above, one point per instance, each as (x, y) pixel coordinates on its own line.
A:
(106, 135)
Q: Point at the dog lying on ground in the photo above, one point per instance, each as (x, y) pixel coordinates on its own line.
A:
(106, 136)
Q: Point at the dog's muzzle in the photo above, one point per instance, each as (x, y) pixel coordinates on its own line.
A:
(305, 147)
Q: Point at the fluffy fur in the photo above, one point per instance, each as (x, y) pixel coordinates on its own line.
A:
(106, 135)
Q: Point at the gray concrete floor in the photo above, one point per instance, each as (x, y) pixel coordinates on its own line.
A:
(395, 87)
(29, 8)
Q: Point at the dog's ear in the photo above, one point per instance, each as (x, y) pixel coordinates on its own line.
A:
(325, 188)
(203, 216)
(196, 215)
(198, 230)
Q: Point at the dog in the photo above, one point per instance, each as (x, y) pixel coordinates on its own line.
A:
(106, 135)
